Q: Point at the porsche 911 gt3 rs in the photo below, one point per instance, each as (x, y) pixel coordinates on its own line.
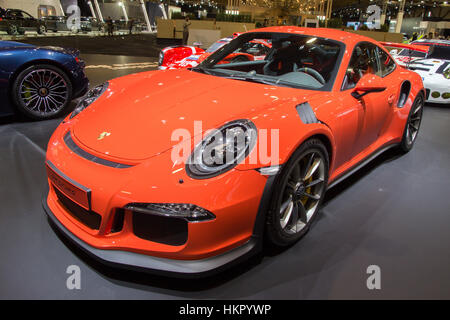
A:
(168, 171)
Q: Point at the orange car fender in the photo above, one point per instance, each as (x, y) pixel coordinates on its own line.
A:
(276, 143)
(401, 113)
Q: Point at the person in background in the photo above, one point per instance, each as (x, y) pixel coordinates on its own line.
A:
(130, 25)
(215, 27)
(186, 31)
(110, 26)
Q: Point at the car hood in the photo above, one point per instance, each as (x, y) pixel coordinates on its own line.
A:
(12, 45)
(429, 66)
(6, 45)
(144, 114)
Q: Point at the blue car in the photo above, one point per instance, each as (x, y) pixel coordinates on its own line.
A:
(39, 82)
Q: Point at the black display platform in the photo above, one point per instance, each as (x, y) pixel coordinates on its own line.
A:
(394, 213)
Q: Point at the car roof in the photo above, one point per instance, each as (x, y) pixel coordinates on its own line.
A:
(332, 34)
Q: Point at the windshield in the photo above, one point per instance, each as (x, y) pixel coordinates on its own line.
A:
(440, 52)
(215, 46)
(412, 53)
(298, 61)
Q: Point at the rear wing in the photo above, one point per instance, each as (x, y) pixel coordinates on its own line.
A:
(413, 47)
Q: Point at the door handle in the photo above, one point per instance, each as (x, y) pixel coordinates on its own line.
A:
(391, 98)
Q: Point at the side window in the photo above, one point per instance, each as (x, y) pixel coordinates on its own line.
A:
(16, 14)
(26, 15)
(363, 61)
(387, 64)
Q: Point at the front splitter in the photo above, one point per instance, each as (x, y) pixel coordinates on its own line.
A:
(160, 266)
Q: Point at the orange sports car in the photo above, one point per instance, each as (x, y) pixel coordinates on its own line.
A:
(189, 171)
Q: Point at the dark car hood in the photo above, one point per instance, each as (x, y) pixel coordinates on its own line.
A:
(12, 44)
(9, 45)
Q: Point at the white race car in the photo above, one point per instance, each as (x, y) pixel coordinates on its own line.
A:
(433, 65)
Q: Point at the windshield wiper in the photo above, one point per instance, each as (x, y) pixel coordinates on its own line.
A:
(200, 69)
(277, 82)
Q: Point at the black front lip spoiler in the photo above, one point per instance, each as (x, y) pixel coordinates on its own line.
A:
(160, 266)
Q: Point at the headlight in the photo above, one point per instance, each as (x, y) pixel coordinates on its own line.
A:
(186, 211)
(447, 73)
(89, 98)
(222, 149)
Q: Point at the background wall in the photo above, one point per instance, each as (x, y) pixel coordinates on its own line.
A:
(31, 6)
(114, 11)
(166, 27)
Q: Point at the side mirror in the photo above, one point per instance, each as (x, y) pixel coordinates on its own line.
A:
(393, 51)
(367, 84)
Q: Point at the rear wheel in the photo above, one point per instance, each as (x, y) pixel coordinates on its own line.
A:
(299, 191)
(42, 92)
(412, 124)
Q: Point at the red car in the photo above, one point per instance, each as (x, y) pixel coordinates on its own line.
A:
(187, 171)
(191, 56)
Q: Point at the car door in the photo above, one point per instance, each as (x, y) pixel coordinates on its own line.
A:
(372, 109)
(17, 18)
(29, 22)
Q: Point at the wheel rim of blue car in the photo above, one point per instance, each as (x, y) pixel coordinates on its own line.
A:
(44, 92)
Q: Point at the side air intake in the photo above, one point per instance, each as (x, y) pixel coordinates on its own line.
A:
(404, 93)
(306, 113)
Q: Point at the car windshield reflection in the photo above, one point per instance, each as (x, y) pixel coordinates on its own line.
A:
(298, 61)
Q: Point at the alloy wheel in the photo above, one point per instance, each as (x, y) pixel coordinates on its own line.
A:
(13, 30)
(43, 92)
(302, 192)
(414, 120)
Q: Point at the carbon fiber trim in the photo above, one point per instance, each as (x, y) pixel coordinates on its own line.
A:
(76, 149)
(306, 113)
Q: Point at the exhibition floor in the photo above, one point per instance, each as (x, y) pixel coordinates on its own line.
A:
(394, 213)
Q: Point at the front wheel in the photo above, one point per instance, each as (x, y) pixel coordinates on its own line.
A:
(412, 124)
(13, 30)
(299, 191)
(42, 92)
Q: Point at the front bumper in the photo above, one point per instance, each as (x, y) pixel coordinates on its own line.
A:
(80, 83)
(155, 265)
(236, 198)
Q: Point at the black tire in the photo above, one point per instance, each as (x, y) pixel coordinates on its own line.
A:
(275, 233)
(41, 29)
(60, 95)
(13, 30)
(412, 123)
